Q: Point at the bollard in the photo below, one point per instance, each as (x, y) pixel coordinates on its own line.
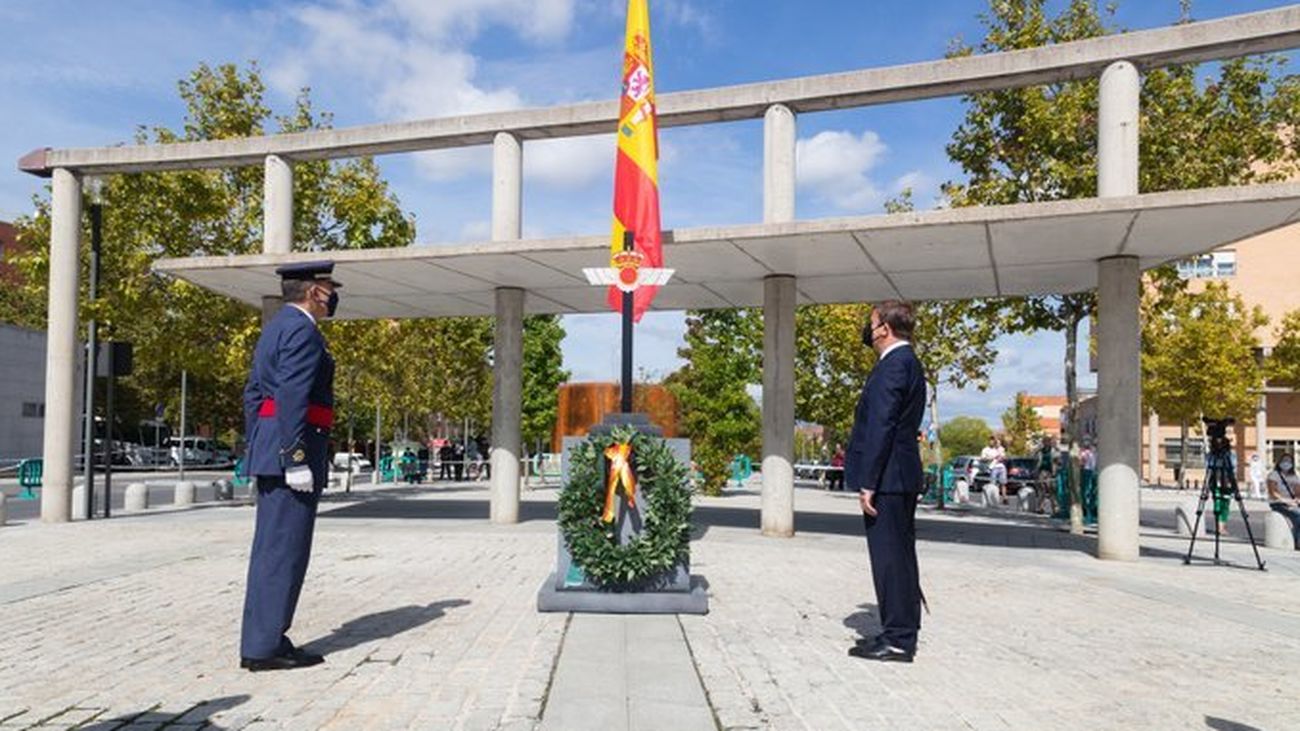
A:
(1185, 515)
(184, 494)
(1027, 500)
(4, 511)
(137, 497)
(79, 502)
(1277, 532)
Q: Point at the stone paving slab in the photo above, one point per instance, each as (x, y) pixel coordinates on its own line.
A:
(426, 614)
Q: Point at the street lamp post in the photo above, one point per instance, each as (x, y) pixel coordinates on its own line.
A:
(93, 188)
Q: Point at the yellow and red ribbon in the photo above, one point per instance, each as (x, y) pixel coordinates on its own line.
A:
(620, 475)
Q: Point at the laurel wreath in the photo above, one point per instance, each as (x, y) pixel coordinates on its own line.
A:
(664, 494)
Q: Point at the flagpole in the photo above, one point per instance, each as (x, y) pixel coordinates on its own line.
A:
(629, 244)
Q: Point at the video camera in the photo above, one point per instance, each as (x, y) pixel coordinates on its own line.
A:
(1217, 431)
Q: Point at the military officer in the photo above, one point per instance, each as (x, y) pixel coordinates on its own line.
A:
(288, 413)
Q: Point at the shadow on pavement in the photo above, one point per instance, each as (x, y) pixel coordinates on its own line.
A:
(1223, 724)
(381, 625)
(865, 621)
(195, 716)
(1013, 530)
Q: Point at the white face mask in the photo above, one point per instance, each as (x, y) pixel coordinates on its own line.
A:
(1285, 465)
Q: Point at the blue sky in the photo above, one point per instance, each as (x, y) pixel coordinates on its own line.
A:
(113, 66)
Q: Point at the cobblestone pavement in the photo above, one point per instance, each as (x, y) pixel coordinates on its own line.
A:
(426, 613)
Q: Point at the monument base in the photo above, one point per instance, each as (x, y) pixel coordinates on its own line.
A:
(595, 601)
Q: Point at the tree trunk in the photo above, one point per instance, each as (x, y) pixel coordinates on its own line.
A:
(1071, 435)
(938, 443)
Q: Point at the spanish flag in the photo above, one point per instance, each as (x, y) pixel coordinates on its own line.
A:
(636, 171)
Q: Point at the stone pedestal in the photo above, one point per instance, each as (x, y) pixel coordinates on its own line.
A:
(673, 592)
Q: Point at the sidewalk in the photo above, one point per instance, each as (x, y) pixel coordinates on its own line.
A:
(426, 613)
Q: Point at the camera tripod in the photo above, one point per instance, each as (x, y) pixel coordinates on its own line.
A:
(1220, 480)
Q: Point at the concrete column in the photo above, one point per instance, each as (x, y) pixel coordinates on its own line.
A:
(1119, 413)
(1119, 279)
(778, 405)
(1117, 131)
(1153, 448)
(778, 164)
(61, 347)
(507, 395)
(507, 187)
(277, 206)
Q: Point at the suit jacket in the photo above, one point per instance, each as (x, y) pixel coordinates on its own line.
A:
(292, 366)
(883, 454)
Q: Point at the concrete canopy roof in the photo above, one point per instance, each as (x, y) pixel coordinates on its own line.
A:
(1028, 249)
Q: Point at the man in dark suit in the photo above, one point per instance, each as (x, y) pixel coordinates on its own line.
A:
(288, 414)
(883, 464)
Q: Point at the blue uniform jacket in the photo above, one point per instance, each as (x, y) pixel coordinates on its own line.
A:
(291, 365)
(883, 454)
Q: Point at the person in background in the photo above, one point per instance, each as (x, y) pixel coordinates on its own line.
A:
(1088, 481)
(835, 475)
(1283, 486)
(1256, 472)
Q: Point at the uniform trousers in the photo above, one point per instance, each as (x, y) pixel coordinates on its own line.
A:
(276, 566)
(891, 542)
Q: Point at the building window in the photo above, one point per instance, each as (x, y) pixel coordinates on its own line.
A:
(1215, 265)
(1174, 453)
(33, 410)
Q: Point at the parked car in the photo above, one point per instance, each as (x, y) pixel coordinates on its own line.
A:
(356, 459)
(1021, 472)
(198, 450)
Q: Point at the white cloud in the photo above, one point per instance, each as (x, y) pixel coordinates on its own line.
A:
(837, 167)
(570, 162)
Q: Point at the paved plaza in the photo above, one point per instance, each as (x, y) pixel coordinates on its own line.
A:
(426, 613)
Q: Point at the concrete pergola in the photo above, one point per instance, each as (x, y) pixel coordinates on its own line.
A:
(1047, 248)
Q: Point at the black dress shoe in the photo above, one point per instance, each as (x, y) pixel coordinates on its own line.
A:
(882, 652)
(294, 659)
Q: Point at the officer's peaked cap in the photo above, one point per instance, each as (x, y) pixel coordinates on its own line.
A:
(309, 271)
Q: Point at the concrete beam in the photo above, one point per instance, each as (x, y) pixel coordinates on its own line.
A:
(778, 406)
(1238, 35)
(61, 348)
(507, 400)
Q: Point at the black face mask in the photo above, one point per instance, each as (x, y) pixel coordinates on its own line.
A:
(332, 304)
(869, 334)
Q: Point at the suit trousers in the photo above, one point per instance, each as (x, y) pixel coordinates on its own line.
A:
(276, 566)
(891, 542)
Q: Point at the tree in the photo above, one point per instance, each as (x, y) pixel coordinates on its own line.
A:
(1283, 364)
(1039, 143)
(543, 374)
(172, 324)
(831, 364)
(717, 412)
(965, 435)
(1021, 424)
(954, 340)
(1198, 355)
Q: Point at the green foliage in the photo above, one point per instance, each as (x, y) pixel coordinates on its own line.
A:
(717, 413)
(1021, 424)
(663, 491)
(831, 364)
(964, 435)
(1283, 365)
(1039, 143)
(543, 374)
(177, 326)
(1198, 354)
